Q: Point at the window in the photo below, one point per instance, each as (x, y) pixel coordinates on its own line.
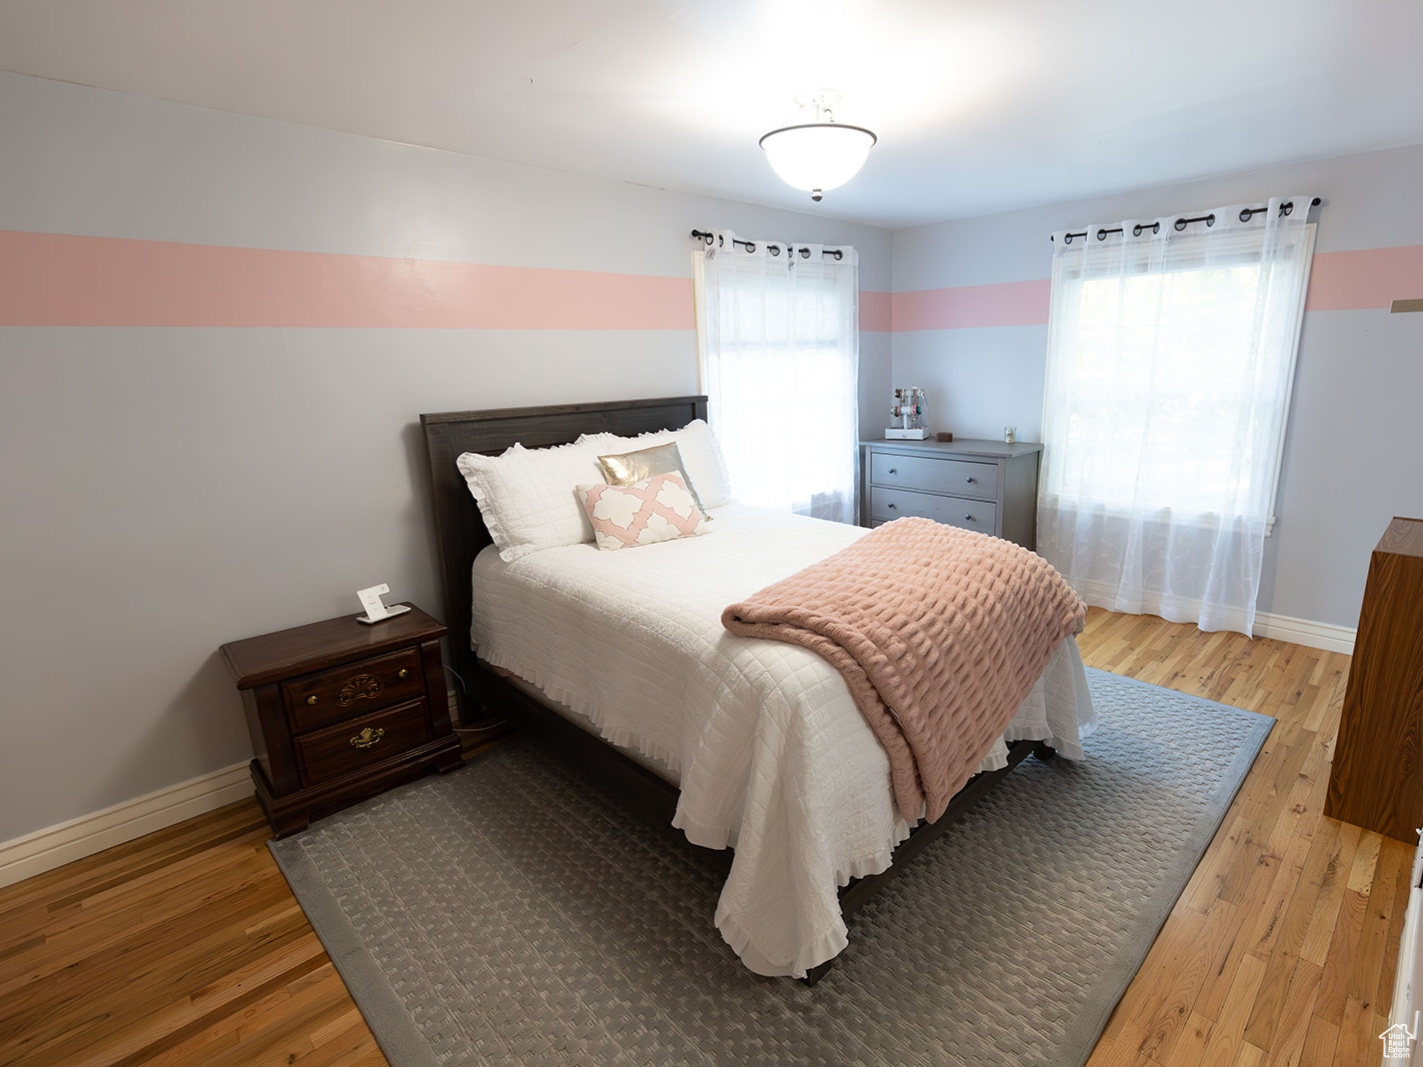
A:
(779, 339)
(1171, 355)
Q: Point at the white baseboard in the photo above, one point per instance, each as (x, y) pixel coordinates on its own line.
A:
(55, 846)
(1304, 632)
(1323, 635)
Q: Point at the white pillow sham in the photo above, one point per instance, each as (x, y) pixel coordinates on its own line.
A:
(528, 495)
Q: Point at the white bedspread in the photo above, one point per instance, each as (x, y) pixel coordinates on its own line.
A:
(771, 754)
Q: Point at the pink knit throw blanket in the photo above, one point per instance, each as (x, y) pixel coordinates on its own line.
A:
(940, 634)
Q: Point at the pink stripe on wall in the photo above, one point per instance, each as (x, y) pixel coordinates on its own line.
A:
(1371, 278)
(1339, 281)
(876, 311)
(62, 280)
(1001, 304)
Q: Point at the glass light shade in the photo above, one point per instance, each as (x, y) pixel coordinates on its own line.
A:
(816, 156)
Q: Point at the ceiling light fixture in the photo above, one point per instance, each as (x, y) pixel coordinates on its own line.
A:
(819, 155)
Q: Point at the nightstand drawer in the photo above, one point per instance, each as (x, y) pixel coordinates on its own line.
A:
(980, 515)
(355, 745)
(317, 700)
(957, 476)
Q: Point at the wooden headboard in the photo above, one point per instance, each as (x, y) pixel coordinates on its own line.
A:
(459, 526)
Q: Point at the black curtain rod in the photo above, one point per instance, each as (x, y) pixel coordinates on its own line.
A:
(775, 250)
(1246, 214)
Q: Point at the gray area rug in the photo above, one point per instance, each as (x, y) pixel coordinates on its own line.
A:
(507, 914)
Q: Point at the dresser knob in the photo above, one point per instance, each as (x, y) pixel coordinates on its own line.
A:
(893, 470)
(891, 506)
(969, 479)
(311, 700)
(968, 518)
(402, 673)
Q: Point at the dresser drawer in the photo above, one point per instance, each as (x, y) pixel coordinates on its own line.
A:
(317, 700)
(970, 514)
(359, 743)
(957, 476)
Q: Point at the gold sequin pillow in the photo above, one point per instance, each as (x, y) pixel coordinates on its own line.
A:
(629, 468)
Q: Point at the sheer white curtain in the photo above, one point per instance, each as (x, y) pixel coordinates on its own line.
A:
(778, 331)
(1171, 354)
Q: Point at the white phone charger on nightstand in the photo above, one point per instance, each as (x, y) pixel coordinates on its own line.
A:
(375, 607)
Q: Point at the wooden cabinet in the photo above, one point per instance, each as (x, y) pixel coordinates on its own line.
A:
(1376, 780)
(340, 710)
(988, 486)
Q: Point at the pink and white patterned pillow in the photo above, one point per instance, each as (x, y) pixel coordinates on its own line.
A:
(657, 509)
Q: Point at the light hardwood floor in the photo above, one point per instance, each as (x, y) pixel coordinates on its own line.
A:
(186, 947)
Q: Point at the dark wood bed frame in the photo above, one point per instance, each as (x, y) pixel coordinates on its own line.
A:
(486, 700)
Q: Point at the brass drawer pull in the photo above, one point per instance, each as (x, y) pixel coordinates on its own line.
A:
(367, 738)
(311, 700)
(402, 672)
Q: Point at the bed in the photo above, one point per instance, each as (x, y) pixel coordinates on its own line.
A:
(580, 647)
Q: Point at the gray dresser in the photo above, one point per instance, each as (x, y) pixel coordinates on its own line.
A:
(986, 486)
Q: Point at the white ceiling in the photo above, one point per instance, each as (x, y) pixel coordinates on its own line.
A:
(980, 105)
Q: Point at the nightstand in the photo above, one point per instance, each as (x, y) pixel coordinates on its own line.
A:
(341, 710)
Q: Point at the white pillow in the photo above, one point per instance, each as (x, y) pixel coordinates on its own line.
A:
(528, 495)
(701, 458)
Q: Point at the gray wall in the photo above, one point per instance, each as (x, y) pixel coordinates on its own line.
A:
(170, 489)
(1352, 455)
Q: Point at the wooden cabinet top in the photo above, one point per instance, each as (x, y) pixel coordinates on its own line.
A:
(959, 446)
(1404, 537)
(272, 657)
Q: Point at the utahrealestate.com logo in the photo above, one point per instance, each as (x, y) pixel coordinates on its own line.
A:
(1398, 1040)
